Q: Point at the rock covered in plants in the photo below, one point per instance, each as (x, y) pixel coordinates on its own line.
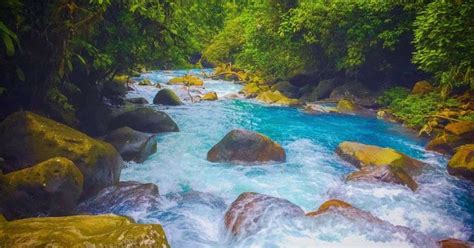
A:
(421, 87)
(50, 188)
(462, 163)
(380, 164)
(247, 147)
(131, 144)
(145, 120)
(122, 197)
(252, 89)
(250, 211)
(209, 96)
(28, 138)
(81, 231)
(188, 80)
(346, 106)
(455, 134)
(167, 97)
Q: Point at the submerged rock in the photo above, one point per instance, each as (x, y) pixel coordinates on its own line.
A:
(137, 100)
(132, 145)
(145, 120)
(28, 138)
(250, 211)
(81, 231)
(380, 164)
(246, 146)
(122, 198)
(210, 96)
(50, 188)
(462, 163)
(167, 97)
(454, 135)
(187, 80)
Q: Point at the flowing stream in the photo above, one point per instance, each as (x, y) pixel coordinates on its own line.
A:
(196, 193)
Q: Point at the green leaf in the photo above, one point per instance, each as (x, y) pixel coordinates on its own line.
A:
(20, 74)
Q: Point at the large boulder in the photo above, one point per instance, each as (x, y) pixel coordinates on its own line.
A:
(167, 97)
(115, 87)
(276, 97)
(455, 134)
(28, 138)
(81, 231)
(246, 146)
(321, 91)
(50, 188)
(286, 88)
(145, 120)
(421, 88)
(188, 80)
(380, 164)
(209, 96)
(346, 106)
(250, 211)
(462, 163)
(132, 145)
(357, 92)
(122, 197)
(328, 206)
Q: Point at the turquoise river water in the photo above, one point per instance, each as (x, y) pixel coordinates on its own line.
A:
(196, 193)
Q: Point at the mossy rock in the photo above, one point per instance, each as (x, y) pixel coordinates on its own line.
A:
(145, 82)
(362, 155)
(145, 120)
(209, 96)
(461, 128)
(132, 145)
(167, 97)
(49, 188)
(253, 89)
(276, 97)
(188, 80)
(28, 138)
(81, 231)
(421, 88)
(243, 146)
(328, 205)
(346, 106)
(445, 143)
(286, 88)
(462, 163)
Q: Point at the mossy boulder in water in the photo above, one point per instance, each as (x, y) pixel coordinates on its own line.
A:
(250, 211)
(380, 164)
(252, 89)
(50, 188)
(167, 97)
(131, 144)
(28, 138)
(209, 96)
(276, 97)
(81, 231)
(462, 163)
(145, 82)
(121, 197)
(145, 120)
(454, 135)
(246, 146)
(346, 106)
(187, 80)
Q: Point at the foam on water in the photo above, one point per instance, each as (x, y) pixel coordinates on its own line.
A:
(197, 192)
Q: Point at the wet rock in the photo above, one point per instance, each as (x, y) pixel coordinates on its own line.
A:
(455, 134)
(387, 174)
(82, 231)
(167, 97)
(454, 243)
(145, 120)
(322, 90)
(187, 80)
(246, 146)
(210, 96)
(286, 88)
(145, 82)
(115, 87)
(121, 198)
(132, 145)
(28, 138)
(250, 211)
(275, 97)
(50, 188)
(462, 163)
(421, 88)
(137, 100)
(313, 108)
(252, 89)
(328, 205)
(357, 92)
